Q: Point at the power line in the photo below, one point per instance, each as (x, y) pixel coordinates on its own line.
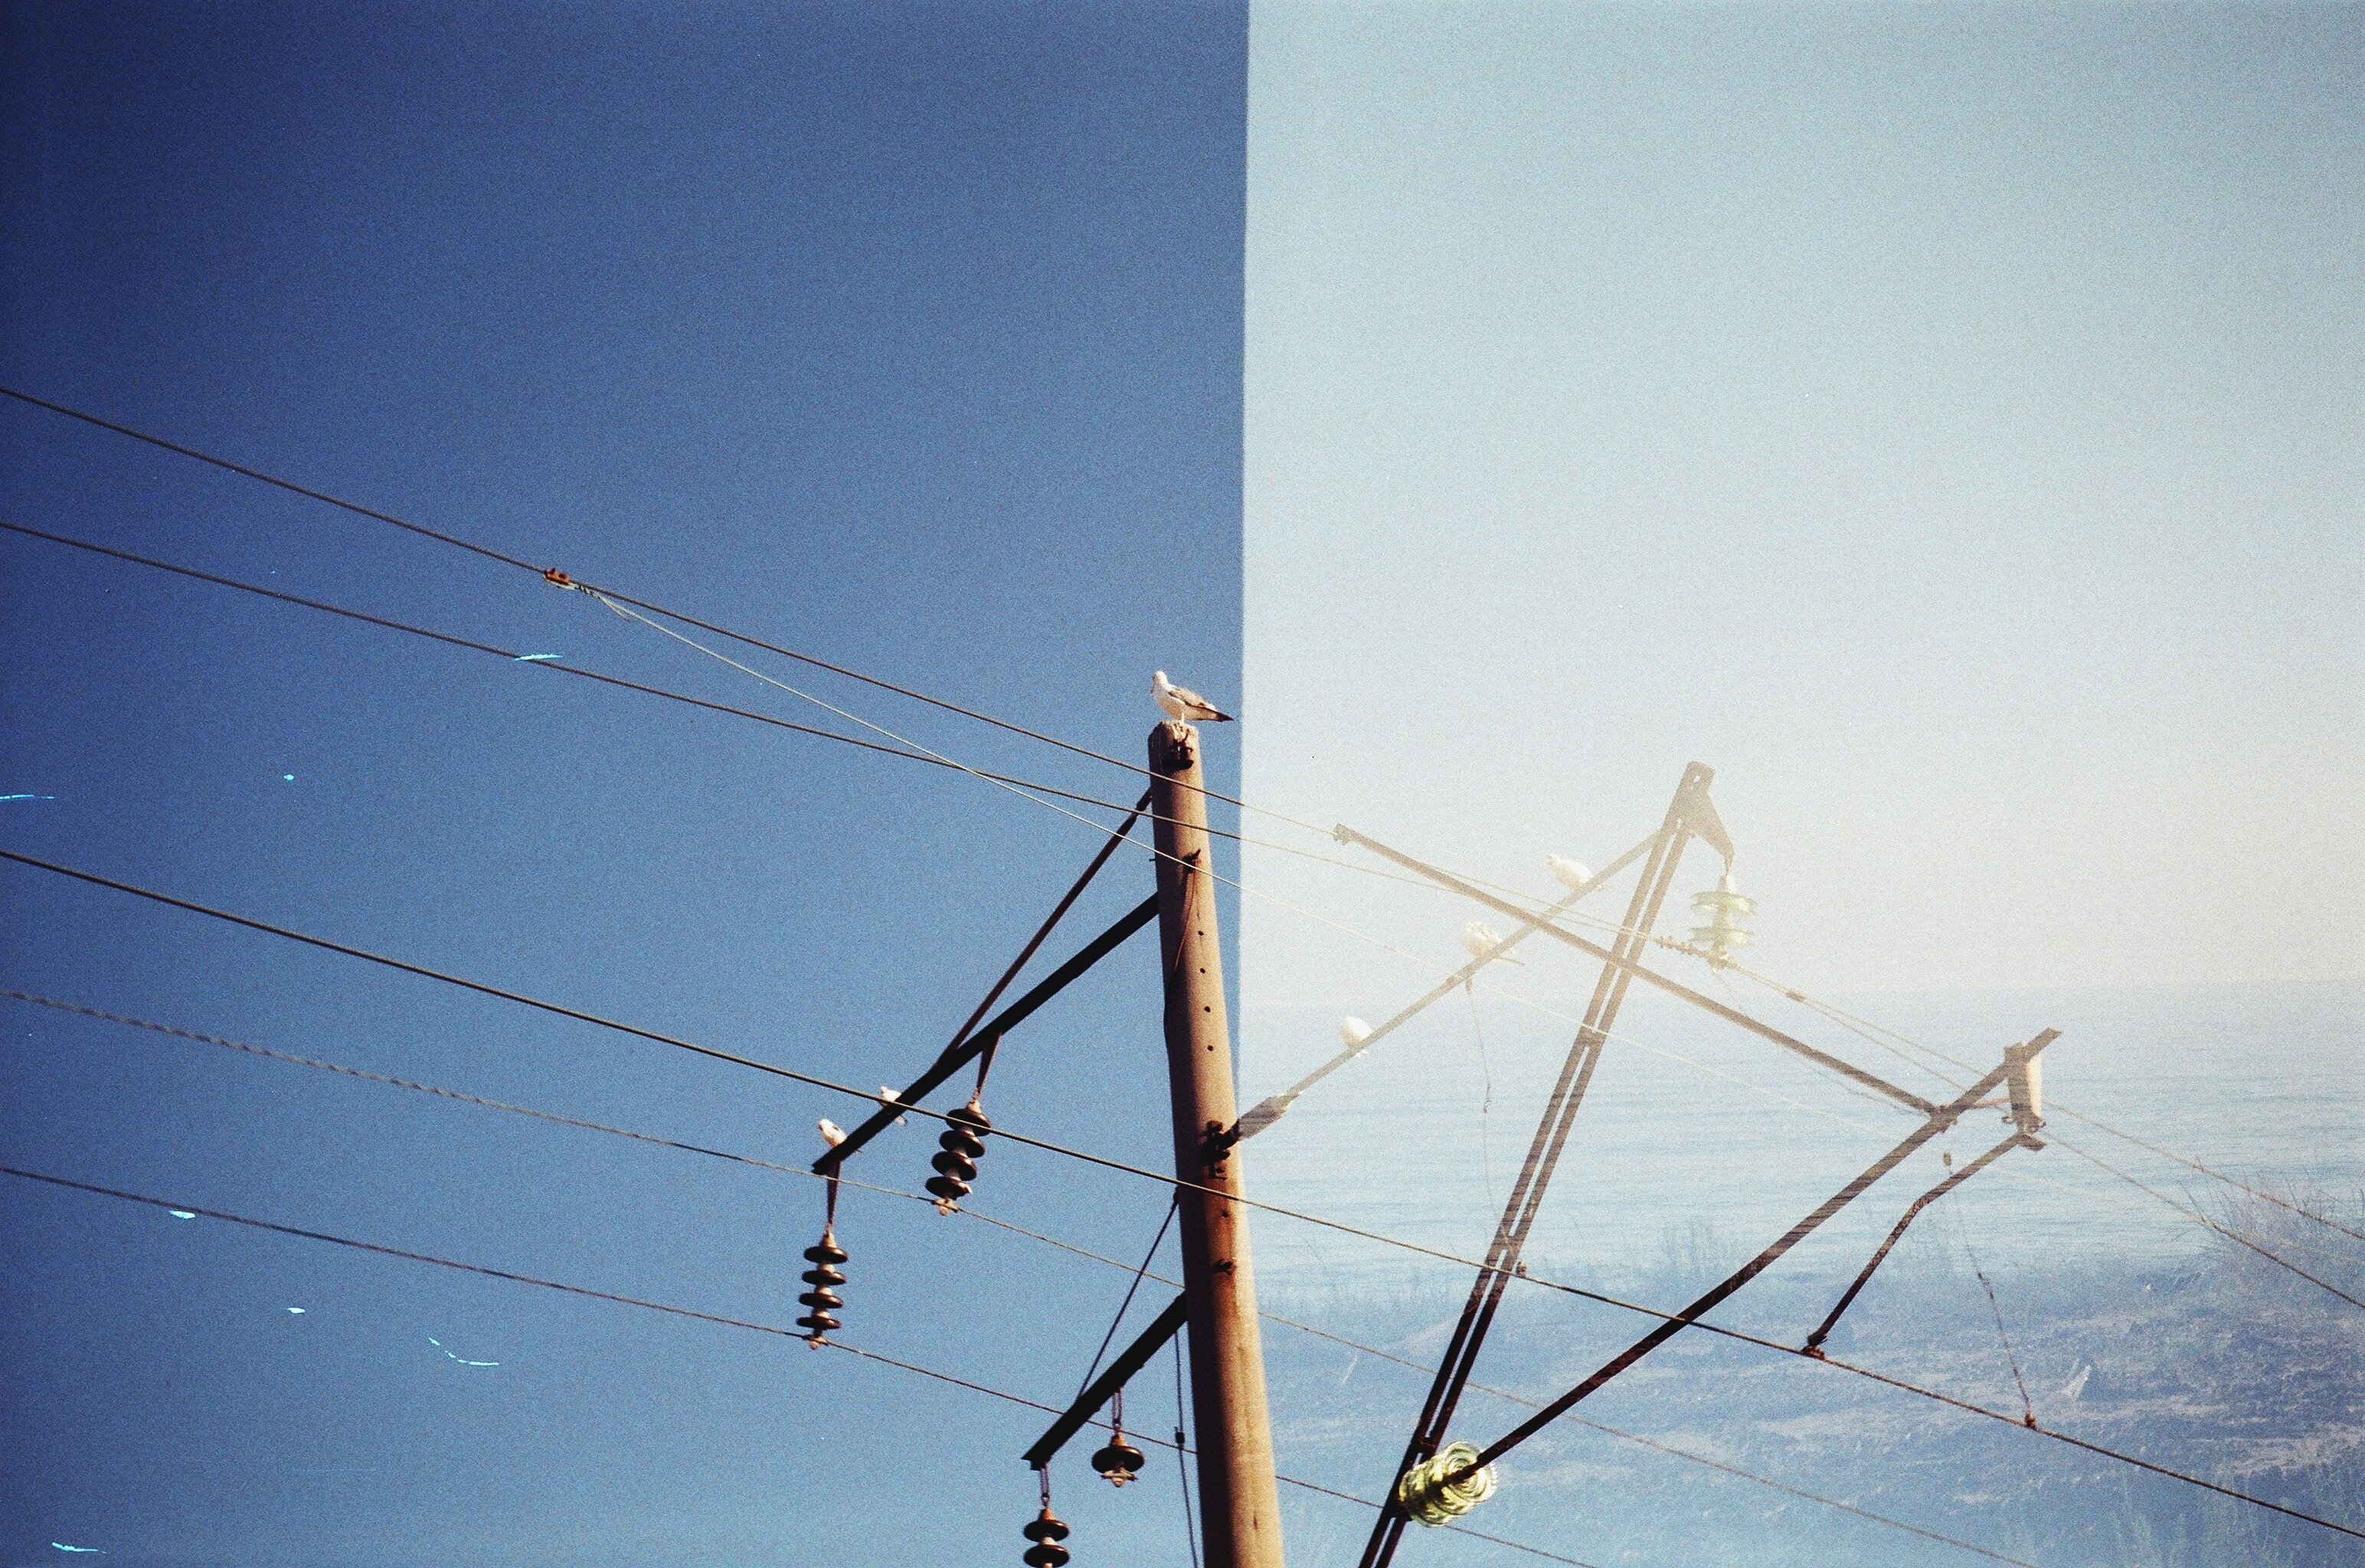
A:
(1669, 1448)
(1866, 1029)
(914, 755)
(512, 656)
(917, 755)
(922, 755)
(618, 606)
(1139, 1275)
(2226, 1231)
(1190, 1528)
(1546, 916)
(438, 1091)
(578, 1014)
(619, 1299)
(425, 973)
(1871, 1033)
(562, 579)
(1995, 1309)
(910, 752)
(2232, 1182)
(256, 473)
(1600, 1297)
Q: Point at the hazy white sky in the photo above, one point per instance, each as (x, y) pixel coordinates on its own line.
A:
(1947, 424)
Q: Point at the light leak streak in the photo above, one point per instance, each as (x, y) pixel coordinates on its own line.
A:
(462, 1359)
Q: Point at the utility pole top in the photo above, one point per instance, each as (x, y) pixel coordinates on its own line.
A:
(1173, 748)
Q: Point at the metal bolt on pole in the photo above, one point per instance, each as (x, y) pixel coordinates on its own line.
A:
(1238, 1499)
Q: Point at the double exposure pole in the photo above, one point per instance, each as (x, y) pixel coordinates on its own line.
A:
(1238, 1499)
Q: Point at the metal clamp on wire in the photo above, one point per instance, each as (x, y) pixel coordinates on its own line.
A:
(1428, 1496)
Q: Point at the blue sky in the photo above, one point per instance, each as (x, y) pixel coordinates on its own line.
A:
(1948, 432)
(907, 337)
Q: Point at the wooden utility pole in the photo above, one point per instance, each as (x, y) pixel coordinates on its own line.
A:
(1238, 1500)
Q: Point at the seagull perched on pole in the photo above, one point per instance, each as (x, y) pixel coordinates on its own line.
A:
(1570, 874)
(1181, 702)
(1479, 940)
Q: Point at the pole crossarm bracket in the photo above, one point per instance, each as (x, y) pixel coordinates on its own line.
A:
(1088, 1403)
(1848, 1069)
(965, 1051)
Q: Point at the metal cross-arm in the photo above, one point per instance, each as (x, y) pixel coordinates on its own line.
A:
(959, 1055)
(1848, 1069)
(1131, 1359)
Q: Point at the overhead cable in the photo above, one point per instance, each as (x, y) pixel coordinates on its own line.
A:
(556, 576)
(617, 1298)
(1601, 1297)
(969, 1211)
(512, 656)
(564, 580)
(441, 537)
(1871, 1033)
(2226, 1231)
(1137, 1274)
(272, 479)
(1457, 977)
(1866, 1029)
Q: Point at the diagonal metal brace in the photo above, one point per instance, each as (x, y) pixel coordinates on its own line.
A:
(1128, 1361)
(1814, 1345)
(959, 1055)
(1940, 1119)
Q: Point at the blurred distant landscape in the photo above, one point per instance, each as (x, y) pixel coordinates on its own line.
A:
(2221, 1364)
(2131, 1324)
